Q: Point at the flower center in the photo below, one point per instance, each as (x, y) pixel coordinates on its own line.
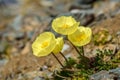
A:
(80, 37)
(65, 26)
(44, 44)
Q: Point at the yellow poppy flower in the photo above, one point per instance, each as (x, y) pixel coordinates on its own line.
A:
(65, 25)
(44, 44)
(59, 45)
(81, 36)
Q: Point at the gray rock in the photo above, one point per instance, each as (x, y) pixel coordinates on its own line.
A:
(14, 35)
(38, 78)
(3, 62)
(113, 74)
(86, 1)
(17, 23)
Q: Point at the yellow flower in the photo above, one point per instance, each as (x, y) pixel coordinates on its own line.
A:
(65, 25)
(44, 44)
(59, 45)
(81, 36)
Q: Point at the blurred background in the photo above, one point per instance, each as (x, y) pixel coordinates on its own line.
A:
(22, 20)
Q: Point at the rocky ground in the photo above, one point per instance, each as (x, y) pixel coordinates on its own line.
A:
(19, 28)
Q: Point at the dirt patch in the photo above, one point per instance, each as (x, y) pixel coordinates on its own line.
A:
(112, 24)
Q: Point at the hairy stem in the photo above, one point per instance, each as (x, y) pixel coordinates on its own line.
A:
(82, 48)
(57, 59)
(64, 57)
(75, 48)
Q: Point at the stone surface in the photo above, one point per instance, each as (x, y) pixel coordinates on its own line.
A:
(113, 74)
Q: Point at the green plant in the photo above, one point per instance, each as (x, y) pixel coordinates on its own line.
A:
(87, 66)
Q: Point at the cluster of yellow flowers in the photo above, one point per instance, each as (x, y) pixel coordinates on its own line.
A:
(46, 42)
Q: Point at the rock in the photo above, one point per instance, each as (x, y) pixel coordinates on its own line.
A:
(26, 48)
(30, 34)
(88, 19)
(47, 3)
(17, 23)
(65, 47)
(86, 1)
(3, 62)
(85, 18)
(113, 74)
(78, 6)
(19, 35)
(7, 2)
(39, 78)
(115, 71)
(44, 68)
(101, 17)
(14, 35)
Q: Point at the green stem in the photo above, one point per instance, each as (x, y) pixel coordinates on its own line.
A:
(57, 59)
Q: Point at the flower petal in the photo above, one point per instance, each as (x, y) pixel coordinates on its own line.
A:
(59, 45)
(81, 36)
(65, 25)
(44, 44)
